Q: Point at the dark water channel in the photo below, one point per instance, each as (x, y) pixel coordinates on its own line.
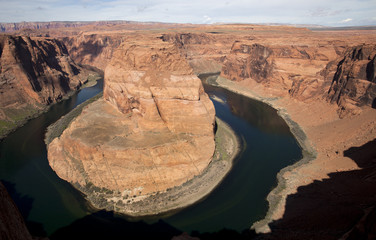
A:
(49, 203)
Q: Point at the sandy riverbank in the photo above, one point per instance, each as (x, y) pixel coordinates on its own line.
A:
(322, 135)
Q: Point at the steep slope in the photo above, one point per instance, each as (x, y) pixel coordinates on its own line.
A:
(93, 49)
(354, 83)
(34, 73)
(286, 69)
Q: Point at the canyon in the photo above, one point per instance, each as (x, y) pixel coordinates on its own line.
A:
(146, 134)
(324, 81)
(34, 73)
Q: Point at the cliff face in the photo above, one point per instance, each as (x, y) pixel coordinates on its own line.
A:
(246, 61)
(286, 69)
(354, 82)
(203, 51)
(12, 225)
(153, 129)
(92, 49)
(34, 72)
(345, 76)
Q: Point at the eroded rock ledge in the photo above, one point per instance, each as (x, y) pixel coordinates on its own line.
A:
(153, 129)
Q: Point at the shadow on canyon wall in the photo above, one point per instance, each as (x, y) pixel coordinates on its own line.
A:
(341, 206)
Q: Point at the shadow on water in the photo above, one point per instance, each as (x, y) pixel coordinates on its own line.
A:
(107, 225)
(342, 205)
(39, 193)
(25, 204)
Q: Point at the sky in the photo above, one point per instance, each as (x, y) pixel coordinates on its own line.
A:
(320, 12)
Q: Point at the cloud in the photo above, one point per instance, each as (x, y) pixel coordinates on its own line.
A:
(346, 20)
(207, 19)
(325, 12)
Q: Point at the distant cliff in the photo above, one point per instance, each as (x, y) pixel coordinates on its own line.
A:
(11, 27)
(306, 70)
(34, 73)
(93, 49)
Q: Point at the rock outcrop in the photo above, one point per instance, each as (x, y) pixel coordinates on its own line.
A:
(344, 75)
(248, 61)
(92, 49)
(34, 73)
(354, 82)
(12, 224)
(153, 129)
(285, 69)
(203, 51)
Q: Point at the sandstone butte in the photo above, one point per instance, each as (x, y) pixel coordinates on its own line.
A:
(153, 129)
(321, 79)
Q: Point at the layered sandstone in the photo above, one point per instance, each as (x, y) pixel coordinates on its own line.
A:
(293, 70)
(92, 49)
(354, 82)
(34, 73)
(153, 129)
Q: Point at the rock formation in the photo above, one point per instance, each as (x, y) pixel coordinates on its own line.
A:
(279, 67)
(34, 72)
(153, 129)
(354, 82)
(248, 61)
(12, 224)
(92, 49)
(345, 76)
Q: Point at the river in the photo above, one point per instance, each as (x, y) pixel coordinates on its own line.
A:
(49, 203)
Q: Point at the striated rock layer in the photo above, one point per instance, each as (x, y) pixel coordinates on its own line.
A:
(354, 82)
(92, 49)
(153, 129)
(34, 72)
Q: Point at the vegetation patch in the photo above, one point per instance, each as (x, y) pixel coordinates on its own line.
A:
(16, 117)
